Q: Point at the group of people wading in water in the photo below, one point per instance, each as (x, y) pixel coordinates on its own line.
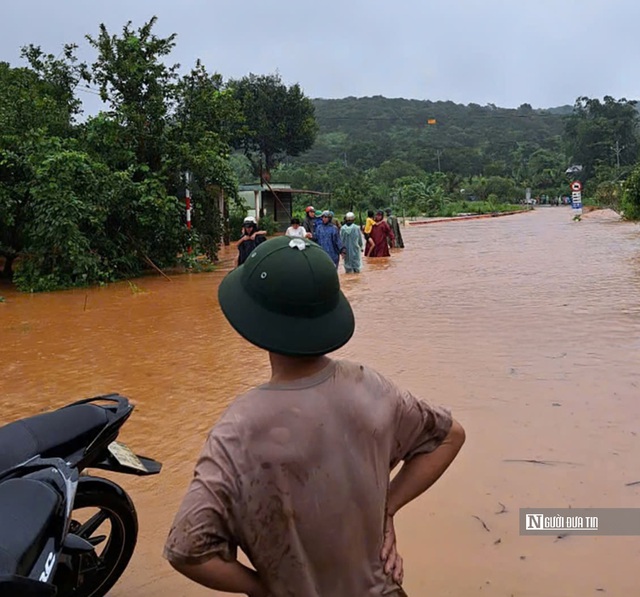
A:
(346, 239)
(374, 239)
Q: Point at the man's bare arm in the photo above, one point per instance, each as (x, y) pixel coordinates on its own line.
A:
(414, 478)
(230, 577)
(423, 470)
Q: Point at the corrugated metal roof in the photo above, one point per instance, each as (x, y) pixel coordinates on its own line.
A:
(278, 188)
(258, 187)
(307, 192)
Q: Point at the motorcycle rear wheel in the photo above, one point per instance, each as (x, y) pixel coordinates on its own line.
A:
(98, 572)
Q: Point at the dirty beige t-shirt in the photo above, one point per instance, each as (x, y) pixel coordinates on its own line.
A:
(297, 475)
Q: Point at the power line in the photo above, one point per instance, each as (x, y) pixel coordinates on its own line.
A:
(458, 117)
(88, 89)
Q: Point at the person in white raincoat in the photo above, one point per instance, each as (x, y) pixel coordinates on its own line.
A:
(353, 242)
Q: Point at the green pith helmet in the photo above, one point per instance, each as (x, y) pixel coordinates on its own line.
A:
(286, 298)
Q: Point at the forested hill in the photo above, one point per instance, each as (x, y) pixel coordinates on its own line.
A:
(365, 132)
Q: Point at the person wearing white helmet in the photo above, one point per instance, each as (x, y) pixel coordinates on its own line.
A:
(252, 236)
(353, 242)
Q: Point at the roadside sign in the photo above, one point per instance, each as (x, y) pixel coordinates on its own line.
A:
(576, 200)
(576, 197)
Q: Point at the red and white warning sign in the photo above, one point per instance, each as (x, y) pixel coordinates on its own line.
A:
(576, 186)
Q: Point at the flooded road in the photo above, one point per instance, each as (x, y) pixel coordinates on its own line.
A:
(527, 327)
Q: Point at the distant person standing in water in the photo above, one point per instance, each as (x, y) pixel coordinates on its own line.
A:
(296, 472)
(381, 235)
(336, 223)
(392, 220)
(328, 237)
(368, 225)
(251, 238)
(351, 237)
(296, 229)
(310, 221)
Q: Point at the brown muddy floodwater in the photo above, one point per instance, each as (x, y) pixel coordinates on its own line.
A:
(527, 327)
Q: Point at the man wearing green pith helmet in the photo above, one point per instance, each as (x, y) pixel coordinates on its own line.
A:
(296, 472)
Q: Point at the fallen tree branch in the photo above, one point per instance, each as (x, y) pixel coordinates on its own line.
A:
(147, 258)
(154, 266)
(545, 462)
(530, 461)
(486, 528)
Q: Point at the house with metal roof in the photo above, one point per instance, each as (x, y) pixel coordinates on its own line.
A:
(274, 200)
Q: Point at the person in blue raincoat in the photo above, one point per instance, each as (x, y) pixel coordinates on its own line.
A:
(353, 242)
(328, 237)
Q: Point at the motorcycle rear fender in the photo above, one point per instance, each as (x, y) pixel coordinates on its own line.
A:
(90, 484)
(121, 411)
(109, 463)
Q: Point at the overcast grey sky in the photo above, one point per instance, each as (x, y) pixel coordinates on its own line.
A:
(506, 52)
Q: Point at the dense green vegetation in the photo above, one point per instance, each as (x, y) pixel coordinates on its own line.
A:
(96, 199)
(424, 157)
(86, 202)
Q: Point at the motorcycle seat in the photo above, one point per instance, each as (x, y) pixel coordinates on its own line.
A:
(27, 511)
(58, 433)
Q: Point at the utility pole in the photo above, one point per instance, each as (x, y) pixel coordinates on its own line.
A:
(438, 153)
(617, 151)
(187, 200)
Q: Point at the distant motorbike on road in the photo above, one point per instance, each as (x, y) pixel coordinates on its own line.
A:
(49, 545)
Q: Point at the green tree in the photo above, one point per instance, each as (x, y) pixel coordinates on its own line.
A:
(206, 120)
(602, 133)
(280, 120)
(353, 194)
(423, 195)
(85, 203)
(503, 188)
(61, 219)
(609, 194)
(139, 88)
(35, 103)
(61, 75)
(631, 198)
(391, 170)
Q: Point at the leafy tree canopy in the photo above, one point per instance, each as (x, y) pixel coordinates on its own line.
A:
(279, 121)
(100, 200)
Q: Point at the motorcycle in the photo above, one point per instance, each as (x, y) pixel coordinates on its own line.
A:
(48, 546)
